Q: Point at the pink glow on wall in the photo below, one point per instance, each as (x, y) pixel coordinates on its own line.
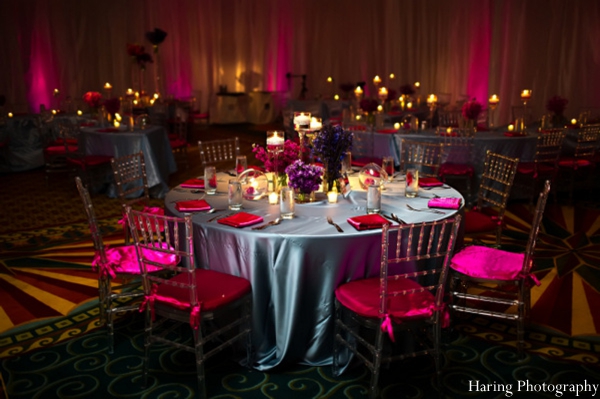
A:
(478, 74)
(41, 79)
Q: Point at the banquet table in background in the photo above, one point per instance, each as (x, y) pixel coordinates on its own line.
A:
(294, 267)
(152, 141)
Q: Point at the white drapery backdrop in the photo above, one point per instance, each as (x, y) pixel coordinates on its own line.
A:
(463, 47)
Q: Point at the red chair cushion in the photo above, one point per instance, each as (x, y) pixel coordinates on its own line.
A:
(488, 263)
(90, 160)
(454, 169)
(178, 143)
(362, 297)
(528, 168)
(59, 149)
(214, 289)
(478, 222)
(574, 163)
(61, 141)
(360, 162)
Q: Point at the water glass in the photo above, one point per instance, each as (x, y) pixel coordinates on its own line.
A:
(235, 195)
(241, 164)
(347, 162)
(287, 203)
(412, 183)
(388, 166)
(210, 180)
(374, 199)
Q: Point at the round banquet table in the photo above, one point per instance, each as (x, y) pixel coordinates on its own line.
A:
(294, 267)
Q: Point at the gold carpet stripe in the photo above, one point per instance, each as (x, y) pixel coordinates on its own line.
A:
(569, 213)
(593, 228)
(538, 291)
(582, 321)
(66, 254)
(5, 322)
(90, 282)
(57, 303)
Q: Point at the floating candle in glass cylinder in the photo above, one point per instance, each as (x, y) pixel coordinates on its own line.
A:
(273, 198)
(526, 94)
(316, 123)
(301, 120)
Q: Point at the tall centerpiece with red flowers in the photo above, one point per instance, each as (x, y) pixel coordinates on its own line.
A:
(93, 99)
(156, 37)
(368, 107)
(470, 111)
(331, 145)
(557, 105)
(139, 58)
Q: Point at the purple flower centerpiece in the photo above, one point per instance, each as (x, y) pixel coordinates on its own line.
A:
(280, 162)
(330, 145)
(304, 179)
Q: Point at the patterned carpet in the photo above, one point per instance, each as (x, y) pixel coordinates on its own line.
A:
(50, 344)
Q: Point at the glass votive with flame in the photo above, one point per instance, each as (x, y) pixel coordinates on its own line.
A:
(79, 112)
(273, 198)
(10, 114)
(396, 125)
(332, 197)
(511, 128)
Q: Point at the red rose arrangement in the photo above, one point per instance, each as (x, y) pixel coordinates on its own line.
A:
(93, 99)
(471, 109)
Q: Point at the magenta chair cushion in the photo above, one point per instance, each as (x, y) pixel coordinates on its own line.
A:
(90, 160)
(123, 259)
(455, 169)
(488, 263)
(213, 289)
(178, 143)
(362, 297)
(528, 168)
(574, 163)
(478, 222)
(59, 149)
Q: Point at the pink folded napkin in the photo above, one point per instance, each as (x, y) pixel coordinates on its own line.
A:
(514, 134)
(193, 183)
(429, 182)
(368, 222)
(192, 206)
(387, 131)
(108, 130)
(446, 203)
(241, 219)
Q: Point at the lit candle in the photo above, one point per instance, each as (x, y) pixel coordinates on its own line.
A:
(431, 99)
(336, 97)
(107, 86)
(316, 124)
(118, 116)
(417, 84)
(275, 139)
(79, 112)
(358, 91)
(379, 108)
(573, 121)
(358, 117)
(526, 94)
(377, 80)
(511, 128)
(302, 120)
(383, 93)
(116, 123)
(494, 99)
(396, 125)
(332, 197)
(10, 114)
(156, 95)
(56, 93)
(409, 105)
(329, 79)
(449, 130)
(392, 76)
(53, 112)
(129, 92)
(273, 198)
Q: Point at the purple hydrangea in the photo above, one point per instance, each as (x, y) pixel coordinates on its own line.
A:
(304, 177)
(330, 146)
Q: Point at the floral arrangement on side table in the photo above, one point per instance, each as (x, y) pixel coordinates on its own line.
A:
(304, 178)
(470, 111)
(277, 164)
(330, 146)
(94, 100)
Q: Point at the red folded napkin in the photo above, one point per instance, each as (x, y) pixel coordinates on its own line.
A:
(368, 222)
(241, 219)
(514, 134)
(429, 182)
(193, 183)
(108, 130)
(446, 203)
(387, 131)
(87, 124)
(192, 206)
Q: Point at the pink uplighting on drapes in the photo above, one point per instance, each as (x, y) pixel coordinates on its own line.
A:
(41, 75)
(479, 63)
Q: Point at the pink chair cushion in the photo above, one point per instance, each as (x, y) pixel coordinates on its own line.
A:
(362, 297)
(123, 259)
(213, 290)
(488, 263)
(454, 169)
(477, 222)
